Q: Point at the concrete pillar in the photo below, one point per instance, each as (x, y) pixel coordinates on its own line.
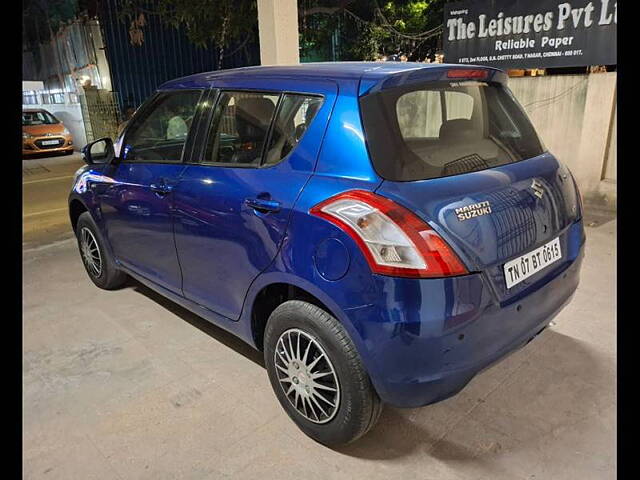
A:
(592, 152)
(278, 27)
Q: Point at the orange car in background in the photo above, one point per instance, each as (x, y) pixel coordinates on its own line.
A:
(44, 133)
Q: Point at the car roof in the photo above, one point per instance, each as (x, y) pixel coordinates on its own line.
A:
(337, 71)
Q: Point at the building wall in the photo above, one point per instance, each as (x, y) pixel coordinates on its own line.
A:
(576, 117)
(32, 85)
(74, 52)
(610, 171)
(71, 116)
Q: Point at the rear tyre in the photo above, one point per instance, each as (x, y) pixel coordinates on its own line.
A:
(97, 262)
(317, 375)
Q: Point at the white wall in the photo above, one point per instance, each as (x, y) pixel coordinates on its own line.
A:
(71, 116)
(610, 172)
(32, 85)
(576, 115)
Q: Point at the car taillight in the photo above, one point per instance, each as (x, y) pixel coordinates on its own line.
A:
(394, 240)
(466, 73)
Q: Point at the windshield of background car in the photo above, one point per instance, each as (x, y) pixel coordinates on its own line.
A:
(38, 118)
(440, 129)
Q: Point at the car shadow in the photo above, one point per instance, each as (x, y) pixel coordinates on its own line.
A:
(467, 427)
(545, 386)
(213, 331)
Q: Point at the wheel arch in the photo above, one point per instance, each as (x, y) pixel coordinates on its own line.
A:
(76, 208)
(269, 297)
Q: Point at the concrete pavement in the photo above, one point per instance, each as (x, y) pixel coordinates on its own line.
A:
(127, 385)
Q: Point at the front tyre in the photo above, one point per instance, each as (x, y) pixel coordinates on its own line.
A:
(317, 375)
(97, 262)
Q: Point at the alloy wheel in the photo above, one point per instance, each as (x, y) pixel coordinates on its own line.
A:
(90, 252)
(307, 376)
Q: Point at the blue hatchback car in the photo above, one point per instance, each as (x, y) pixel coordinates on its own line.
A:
(382, 231)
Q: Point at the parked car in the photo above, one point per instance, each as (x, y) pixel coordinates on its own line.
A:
(381, 231)
(44, 133)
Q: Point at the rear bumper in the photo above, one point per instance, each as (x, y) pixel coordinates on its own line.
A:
(426, 339)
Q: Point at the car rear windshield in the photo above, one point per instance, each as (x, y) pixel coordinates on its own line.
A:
(439, 129)
(38, 118)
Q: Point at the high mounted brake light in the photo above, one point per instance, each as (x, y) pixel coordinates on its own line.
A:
(393, 239)
(465, 73)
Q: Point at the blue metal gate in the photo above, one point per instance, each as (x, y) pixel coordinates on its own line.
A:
(165, 54)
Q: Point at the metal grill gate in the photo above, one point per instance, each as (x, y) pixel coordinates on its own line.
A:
(100, 113)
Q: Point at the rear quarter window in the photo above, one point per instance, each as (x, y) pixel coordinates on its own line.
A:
(295, 114)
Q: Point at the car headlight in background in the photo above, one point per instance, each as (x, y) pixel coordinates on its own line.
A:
(66, 132)
(26, 135)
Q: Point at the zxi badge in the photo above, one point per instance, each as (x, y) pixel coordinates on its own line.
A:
(537, 188)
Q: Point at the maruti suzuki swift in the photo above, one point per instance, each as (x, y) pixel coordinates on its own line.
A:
(381, 231)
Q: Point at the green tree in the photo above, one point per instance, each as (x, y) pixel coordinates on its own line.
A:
(369, 29)
(329, 29)
(204, 21)
(340, 29)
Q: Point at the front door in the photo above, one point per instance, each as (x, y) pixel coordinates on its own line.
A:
(232, 209)
(136, 199)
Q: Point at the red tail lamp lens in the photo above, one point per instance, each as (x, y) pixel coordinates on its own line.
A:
(393, 239)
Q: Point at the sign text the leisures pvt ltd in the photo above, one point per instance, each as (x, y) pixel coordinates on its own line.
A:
(526, 34)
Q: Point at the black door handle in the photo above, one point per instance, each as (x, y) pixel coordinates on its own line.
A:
(262, 205)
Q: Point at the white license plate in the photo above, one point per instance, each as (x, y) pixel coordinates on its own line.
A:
(50, 142)
(521, 268)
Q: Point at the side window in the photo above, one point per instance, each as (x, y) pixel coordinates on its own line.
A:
(239, 128)
(419, 114)
(161, 132)
(294, 117)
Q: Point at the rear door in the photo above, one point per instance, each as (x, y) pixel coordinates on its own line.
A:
(232, 206)
(467, 159)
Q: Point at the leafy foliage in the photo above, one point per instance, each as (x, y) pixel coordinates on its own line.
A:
(329, 29)
(205, 22)
(368, 29)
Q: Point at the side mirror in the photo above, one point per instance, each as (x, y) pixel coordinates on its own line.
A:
(99, 151)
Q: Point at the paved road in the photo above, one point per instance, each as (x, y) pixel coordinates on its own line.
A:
(45, 185)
